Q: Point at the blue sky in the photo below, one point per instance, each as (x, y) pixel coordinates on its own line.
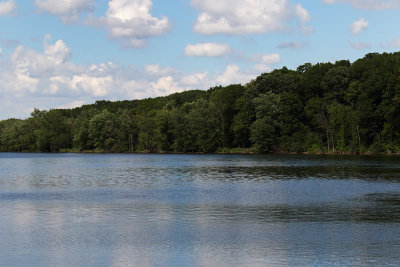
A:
(62, 54)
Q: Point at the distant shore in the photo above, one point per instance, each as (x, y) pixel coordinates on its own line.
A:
(226, 152)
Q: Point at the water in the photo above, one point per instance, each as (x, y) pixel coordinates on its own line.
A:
(198, 210)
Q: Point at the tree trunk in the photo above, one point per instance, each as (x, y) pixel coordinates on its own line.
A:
(359, 139)
(223, 127)
(333, 142)
(327, 130)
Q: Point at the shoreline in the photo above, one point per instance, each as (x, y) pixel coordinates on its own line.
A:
(246, 152)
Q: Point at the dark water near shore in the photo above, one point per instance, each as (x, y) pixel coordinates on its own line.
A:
(199, 210)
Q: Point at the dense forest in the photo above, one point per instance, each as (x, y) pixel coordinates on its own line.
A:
(339, 107)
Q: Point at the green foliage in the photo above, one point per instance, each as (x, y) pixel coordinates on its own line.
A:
(265, 130)
(81, 139)
(54, 131)
(103, 131)
(203, 126)
(13, 135)
(147, 127)
(164, 135)
(339, 107)
(224, 99)
(243, 118)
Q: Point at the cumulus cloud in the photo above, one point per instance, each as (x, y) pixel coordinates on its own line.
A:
(135, 89)
(58, 52)
(271, 58)
(358, 26)
(156, 70)
(262, 68)
(97, 86)
(28, 72)
(263, 62)
(165, 86)
(207, 50)
(233, 74)
(247, 17)
(73, 104)
(218, 50)
(196, 80)
(68, 10)
(130, 22)
(369, 4)
(7, 7)
(268, 59)
(48, 79)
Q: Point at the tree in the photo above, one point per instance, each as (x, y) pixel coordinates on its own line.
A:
(103, 130)
(265, 130)
(81, 140)
(203, 126)
(335, 83)
(128, 132)
(224, 99)
(54, 131)
(146, 133)
(164, 135)
(316, 112)
(244, 117)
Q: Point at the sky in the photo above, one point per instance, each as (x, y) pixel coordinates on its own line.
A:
(66, 53)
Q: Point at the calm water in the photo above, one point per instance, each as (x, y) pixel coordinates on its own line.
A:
(198, 210)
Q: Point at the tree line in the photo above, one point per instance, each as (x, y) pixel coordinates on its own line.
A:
(339, 107)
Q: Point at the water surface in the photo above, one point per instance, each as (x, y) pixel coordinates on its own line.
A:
(198, 210)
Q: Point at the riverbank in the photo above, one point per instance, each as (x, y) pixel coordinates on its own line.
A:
(233, 151)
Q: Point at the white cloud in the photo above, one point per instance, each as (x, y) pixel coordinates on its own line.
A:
(135, 89)
(165, 86)
(48, 79)
(234, 75)
(196, 80)
(156, 70)
(271, 58)
(19, 82)
(207, 50)
(33, 64)
(73, 104)
(301, 13)
(7, 7)
(369, 4)
(57, 53)
(262, 68)
(86, 83)
(68, 10)
(51, 72)
(263, 62)
(97, 86)
(247, 17)
(358, 26)
(130, 22)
